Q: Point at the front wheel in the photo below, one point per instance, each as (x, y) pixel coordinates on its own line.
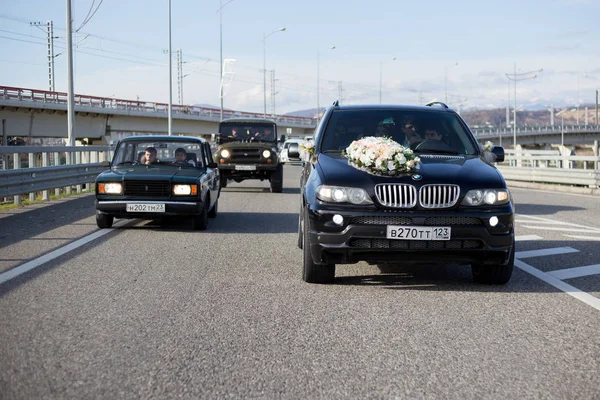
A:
(223, 182)
(313, 273)
(201, 220)
(104, 221)
(277, 179)
(494, 274)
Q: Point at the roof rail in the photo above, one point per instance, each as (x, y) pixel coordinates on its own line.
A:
(433, 103)
(336, 103)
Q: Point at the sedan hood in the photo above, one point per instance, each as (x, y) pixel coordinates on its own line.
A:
(335, 170)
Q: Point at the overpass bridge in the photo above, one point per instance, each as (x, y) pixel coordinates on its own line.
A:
(41, 113)
(98, 120)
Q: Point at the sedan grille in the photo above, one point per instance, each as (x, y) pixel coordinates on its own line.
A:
(452, 221)
(439, 196)
(396, 195)
(153, 189)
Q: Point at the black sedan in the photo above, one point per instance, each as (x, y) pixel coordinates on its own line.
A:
(156, 177)
(403, 185)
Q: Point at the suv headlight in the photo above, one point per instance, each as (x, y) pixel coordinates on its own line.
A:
(225, 153)
(339, 194)
(110, 188)
(266, 153)
(492, 197)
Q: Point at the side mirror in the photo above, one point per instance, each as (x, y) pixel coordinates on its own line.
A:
(212, 165)
(282, 139)
(218, 138)
(105, 163)
(294, 150)
(499, 153)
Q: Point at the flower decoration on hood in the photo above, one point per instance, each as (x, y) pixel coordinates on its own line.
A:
(381, 156)
(486, 149)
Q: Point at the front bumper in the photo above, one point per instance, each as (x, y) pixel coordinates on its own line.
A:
(362, 237)
(118, 208)
(260, 171)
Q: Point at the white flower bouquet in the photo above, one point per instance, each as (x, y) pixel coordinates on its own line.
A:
(487, 151)
(381, 156)
(307, 149)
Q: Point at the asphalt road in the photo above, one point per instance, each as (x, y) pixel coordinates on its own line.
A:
(148, 311)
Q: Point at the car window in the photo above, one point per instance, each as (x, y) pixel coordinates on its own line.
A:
(133, 152)
(407, 127)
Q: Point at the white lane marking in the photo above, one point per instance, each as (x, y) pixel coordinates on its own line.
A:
(548, 220)
(557, 283)
(597, 238)
(28, 266)
(527, 237)
(525, 221)
(578, 272)
(545, 252)
(549, 228)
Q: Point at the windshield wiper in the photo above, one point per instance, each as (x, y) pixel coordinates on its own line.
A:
(424, 151)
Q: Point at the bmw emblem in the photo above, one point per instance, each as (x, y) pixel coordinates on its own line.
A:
(416, 177)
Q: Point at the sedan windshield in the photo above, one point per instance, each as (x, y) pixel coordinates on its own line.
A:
(422, 131)
(160, 152)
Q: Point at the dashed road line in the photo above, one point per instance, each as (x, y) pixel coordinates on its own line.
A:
(545, 252)
(577, 272)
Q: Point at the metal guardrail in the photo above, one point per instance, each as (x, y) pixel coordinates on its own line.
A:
(49, 167)
(31, 180)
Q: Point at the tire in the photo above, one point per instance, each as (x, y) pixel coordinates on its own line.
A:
(104, 221)
(201, 220)
(494, 274)
(213, 211)
(311, 272)
(223, 182)
(277, 179)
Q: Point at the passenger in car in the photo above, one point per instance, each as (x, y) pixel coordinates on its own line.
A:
(413, 137)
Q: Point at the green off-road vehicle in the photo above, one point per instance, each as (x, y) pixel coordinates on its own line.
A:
(247, 149)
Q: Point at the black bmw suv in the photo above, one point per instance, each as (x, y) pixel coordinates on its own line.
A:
(406, 185)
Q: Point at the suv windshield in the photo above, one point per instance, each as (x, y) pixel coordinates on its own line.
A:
(247, 132)
(161, 152)
(422, 131)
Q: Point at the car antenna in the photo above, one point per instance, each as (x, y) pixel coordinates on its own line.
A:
(336, 103)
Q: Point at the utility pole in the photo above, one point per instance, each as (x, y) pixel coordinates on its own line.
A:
(70, 85)
(50, 50)
(519, 77)
(170, 110)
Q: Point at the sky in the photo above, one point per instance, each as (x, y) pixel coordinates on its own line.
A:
(401, 52)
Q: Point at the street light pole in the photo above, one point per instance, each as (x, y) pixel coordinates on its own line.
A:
(220, 11)
(70, 85)
(519, 77)
(265, 36)
(170, 113)
(381, 77)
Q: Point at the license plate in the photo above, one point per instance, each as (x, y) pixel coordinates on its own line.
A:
(245, 167)
(145, 208)
(418, 232)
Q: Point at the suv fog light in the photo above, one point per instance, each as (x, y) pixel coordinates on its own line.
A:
(338, 219)
(493, 221)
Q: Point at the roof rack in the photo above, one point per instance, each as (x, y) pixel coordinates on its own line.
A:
(433, 103)
(336, 103)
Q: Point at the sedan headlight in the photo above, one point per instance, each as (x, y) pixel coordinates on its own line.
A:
(185, 190)
(338, 194)
(493, 197)
(225, 153)
(266, 154)
(110, 188)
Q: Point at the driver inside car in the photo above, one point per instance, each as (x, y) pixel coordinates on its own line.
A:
(413, 137)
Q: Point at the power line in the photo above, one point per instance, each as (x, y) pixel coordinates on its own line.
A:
(90, 17)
